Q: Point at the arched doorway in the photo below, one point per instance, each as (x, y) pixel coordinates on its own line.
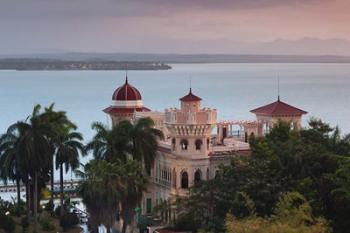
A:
(198, 144)
(197, 176)
(184, 144)
(174, 178)
(224, 133)
(173, 143)
(184, 180)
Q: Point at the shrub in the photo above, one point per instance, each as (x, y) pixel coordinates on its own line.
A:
(49, 206)
(24, 222)
(57, 211)
(7, 223)
(186, 223)
(47, 224)
(68, 220)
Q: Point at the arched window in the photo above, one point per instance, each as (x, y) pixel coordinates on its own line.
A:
(173, 143)
(208, 142)
(174, 178)
(197, 176)
(198, 144)
(184, 144)
(217, 174)
(292, 125)
(184, 180)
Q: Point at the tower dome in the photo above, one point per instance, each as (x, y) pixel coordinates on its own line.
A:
(126, 92)
(190, 97)
(126, 100)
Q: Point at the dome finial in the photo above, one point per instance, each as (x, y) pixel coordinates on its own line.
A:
(278, 88)
(126, 74)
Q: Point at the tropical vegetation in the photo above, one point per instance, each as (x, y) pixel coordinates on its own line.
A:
(27, 151)
(123, 156)
(314, 163)
(293, 181)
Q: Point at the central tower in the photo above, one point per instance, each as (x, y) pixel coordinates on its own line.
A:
(190, 127)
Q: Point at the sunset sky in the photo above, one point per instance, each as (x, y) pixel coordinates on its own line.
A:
(163, 26)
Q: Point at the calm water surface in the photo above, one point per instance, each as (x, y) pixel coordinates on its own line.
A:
(234, 89)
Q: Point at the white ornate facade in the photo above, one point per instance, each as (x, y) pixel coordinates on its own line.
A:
(191, 151)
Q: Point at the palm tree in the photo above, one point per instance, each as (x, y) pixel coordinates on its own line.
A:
(145, 141)
(109, 144)
(133, 146)
(100, 190)
(68, 147)
(9, 161)
(58, 121)
(135, 184)
(34, 148)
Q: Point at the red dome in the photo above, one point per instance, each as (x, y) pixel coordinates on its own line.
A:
(126, 92)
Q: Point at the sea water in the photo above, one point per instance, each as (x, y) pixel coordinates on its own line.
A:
(323, 90)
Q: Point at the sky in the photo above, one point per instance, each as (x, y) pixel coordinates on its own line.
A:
(166, 26)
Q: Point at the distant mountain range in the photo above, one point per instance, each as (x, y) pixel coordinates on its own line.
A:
(305, 46)
(305, 50)
(182, 58)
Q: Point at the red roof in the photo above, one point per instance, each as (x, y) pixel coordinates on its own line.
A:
(278, 108)
(190, 97)
(112, 109)
(126, 92)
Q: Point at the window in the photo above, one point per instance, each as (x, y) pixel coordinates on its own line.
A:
(217, 174)
(208, 142)
(198, 144)
(197, 176)
(184, 144)
(174, 178)
(184, 180)
(173, 143)
(149, 205)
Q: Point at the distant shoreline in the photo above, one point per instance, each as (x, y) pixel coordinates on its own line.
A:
(33, 64)
(105, 62)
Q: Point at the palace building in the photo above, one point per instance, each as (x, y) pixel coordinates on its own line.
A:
(196, 143)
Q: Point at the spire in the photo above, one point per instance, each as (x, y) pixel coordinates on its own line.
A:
(126, 76)
(190, 84)
(278, 88)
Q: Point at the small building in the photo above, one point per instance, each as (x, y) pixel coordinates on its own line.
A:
(270, 114)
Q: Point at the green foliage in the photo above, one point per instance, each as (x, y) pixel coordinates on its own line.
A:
(292, 214)
(24, 223)
(7, 223)
(47, 224)
(242, 205)
(186, 223)
(68, 220)
(49, 206)
(313, 162)
(107, 185)
(126, 151)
